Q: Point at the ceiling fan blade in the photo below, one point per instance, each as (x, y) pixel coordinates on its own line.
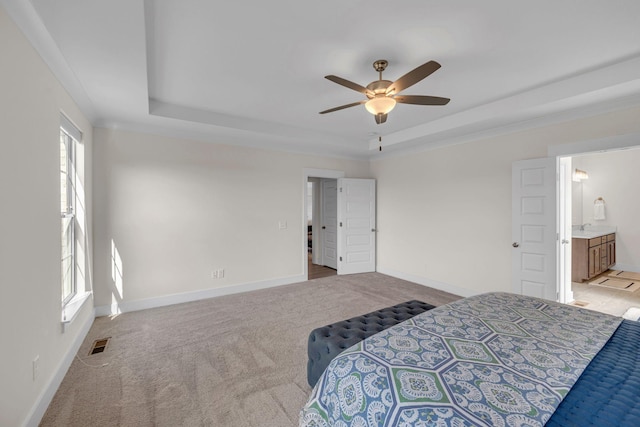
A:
(421, 100)
(349, 84)
(342, 107)
(413, 77)
(381, 118)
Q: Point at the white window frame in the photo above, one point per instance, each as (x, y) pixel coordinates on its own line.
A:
(72, 212)
(71, 136)
(67, 217)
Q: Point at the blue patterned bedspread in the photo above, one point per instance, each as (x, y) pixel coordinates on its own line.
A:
(495, 359)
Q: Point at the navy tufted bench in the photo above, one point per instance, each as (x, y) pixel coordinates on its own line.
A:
(327, 342)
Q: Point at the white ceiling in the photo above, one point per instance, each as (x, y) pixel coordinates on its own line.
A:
(251, 72)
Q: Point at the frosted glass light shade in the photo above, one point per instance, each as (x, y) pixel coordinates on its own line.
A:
(380, 104)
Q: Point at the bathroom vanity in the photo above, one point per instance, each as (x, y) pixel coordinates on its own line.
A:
(593, 252)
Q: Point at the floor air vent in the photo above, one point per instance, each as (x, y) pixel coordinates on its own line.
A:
(99, 346)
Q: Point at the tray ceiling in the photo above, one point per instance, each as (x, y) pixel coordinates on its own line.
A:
(251, 73)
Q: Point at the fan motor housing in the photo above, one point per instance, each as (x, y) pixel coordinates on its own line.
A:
(378, 86)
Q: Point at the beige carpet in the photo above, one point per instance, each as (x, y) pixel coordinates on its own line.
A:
(236, 361)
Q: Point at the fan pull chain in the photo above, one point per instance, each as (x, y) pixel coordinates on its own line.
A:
(380, 141)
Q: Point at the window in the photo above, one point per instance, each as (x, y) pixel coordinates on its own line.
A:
(69, 136)
(67, 215)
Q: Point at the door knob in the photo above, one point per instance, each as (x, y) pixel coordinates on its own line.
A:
(515, 244)
(565, 241)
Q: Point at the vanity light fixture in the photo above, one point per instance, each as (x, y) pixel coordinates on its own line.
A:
(580, 175)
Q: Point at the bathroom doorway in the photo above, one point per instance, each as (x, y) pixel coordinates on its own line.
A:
(596, 194)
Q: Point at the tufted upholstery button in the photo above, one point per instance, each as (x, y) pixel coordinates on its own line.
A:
(327, 342)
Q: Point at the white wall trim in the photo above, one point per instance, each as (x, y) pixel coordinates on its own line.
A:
(45, 398)
(143, 304)
(322, 173)
(24, 14)
(617, 142)
(427, 282)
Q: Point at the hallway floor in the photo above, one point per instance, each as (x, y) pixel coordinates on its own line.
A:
(319, 271)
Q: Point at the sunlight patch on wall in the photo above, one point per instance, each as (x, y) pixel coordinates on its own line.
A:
(117, 278)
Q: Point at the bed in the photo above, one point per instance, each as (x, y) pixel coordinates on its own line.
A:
(496, 359)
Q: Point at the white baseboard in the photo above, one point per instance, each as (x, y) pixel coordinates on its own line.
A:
(427, 282)
(45, 398)
(143, 304)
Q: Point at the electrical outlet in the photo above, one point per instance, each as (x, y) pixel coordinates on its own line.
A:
(221, 273)
(217, 274)
(36, 367)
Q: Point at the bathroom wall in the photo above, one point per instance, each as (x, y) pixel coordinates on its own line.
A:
(614, 176)
(576, 201)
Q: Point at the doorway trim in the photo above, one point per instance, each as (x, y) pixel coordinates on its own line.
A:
(306, 174)
(610, 143)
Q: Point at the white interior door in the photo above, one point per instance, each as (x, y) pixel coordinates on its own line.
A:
(329, 223)
(357, 223)
(534, 232)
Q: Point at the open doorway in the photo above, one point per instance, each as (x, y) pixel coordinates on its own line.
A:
(322, 213)
(350, 204)
(312, 241)
(600, 250)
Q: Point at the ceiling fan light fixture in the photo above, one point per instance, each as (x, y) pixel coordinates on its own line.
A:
(384, 94)
(380, 104)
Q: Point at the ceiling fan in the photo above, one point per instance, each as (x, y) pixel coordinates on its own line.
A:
(382, 95)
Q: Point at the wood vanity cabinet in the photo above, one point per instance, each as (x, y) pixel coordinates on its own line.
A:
(611, 250)
(591, 257)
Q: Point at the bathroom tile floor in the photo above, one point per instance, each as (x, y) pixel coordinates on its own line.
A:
(605, 300)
